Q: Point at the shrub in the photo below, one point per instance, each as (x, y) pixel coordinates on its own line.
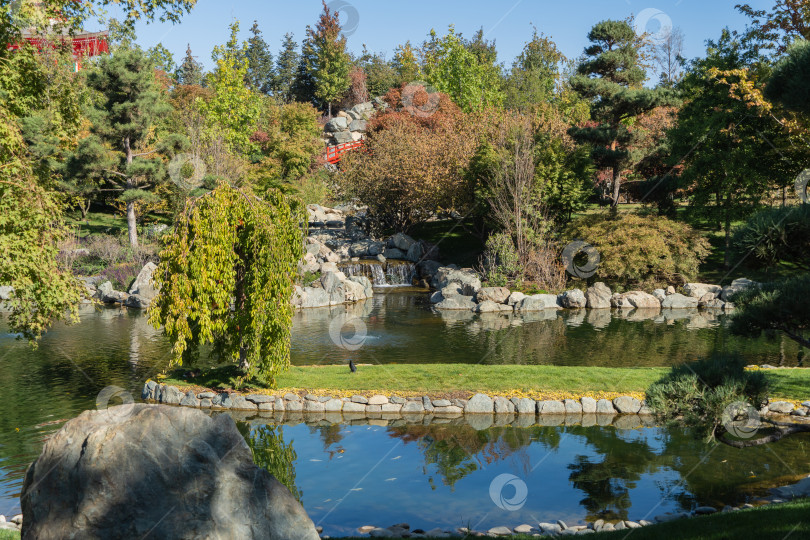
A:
(775, 236)
(641, 251)
(697, 393)
(781, 306)
(500, 260)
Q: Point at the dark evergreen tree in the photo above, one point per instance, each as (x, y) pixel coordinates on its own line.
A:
(190, 72)
(287, 63)
(261, 72)
(612, 79)
(122, 146)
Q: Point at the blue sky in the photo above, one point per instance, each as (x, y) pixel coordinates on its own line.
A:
(383, 24)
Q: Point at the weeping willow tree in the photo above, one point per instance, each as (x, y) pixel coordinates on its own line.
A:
(226, 278)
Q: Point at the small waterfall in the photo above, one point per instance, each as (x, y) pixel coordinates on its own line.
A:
(382, 274)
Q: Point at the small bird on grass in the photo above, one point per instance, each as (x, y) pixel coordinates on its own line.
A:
(352, 367)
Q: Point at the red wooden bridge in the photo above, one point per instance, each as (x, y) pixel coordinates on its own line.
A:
(334, 153)
(85, 44)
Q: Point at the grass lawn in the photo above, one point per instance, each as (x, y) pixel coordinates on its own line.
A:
(538, 382)
(108, 222)
(6, 534)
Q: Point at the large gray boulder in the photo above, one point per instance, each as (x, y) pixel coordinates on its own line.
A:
(696, 290)
(401, 241)
(140, 470)
(598, 296)
(573, 299)
(456, 301)
(468, 279)
(679, 301)
(498, 295)
(538, 302)
(727, 294)
(313, 297)
(635, 300)
(143, 285)
(338, 123)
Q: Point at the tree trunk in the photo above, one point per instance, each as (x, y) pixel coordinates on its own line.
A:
(132, 223)
(330, 110)
(84, 209)
(617, 183)
(727, 254)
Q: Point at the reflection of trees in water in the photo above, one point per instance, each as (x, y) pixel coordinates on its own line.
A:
(272, 454)
(608, 481)
(457, 451)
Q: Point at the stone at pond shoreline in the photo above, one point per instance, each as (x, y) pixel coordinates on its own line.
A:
(143, 285)
(573, 299)
(498, 295)
(588, 405)
(603, 406)
(538, 302)
(634, 300)
(479, 404)
(627, 405)
(184, 473)
(679, 301)
(489, 306)
(515, 298)
(598, 296)
(696, 290)
(467, 278)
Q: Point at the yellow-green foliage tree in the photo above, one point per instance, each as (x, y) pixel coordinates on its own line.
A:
(31, 226)
(226, 278)
(233, 110)
(642, 251)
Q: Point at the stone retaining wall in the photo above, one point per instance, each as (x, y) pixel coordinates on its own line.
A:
(585, 410)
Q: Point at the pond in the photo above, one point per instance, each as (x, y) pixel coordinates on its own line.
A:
(442, 470)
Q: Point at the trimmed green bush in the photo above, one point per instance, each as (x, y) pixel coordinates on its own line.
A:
(775, 236)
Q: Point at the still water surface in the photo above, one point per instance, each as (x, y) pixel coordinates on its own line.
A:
(438, 475)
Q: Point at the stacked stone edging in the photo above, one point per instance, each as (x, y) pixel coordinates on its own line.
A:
(398, 406)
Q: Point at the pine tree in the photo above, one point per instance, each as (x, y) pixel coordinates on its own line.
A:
(122, 133)
(327, 61)
(611, 77)
(286, 68)
(190, 72)
(260, 76)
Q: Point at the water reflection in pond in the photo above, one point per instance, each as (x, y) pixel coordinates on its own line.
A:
(439, 475)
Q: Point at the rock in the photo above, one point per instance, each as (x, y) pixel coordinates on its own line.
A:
(598, 296)
(338, 123)
(143, 285)
(242, 404)
(524, 529)
(780, 407)
(412, 407)
(603, 406)
(7, 290)
(358, 125)
(479, 404)
(538, 302)
(727, 294)
(551, 407)
(415, 252)
(184, 473)
(457, 302)
(634, 300)
(679, 301)
(488, 306)
(588, 405)
(550, 528)
(660, 294)
(379, 399)
(393, 253)
(671, 290)
(696, 290)
(573, 299)
(314, 297)
(500, 531)
(572, 406)
(524, 405)
(499, 295)
(466, 277)
(359, 399)
(515, 298)
(401, 241)
(190, 400)
(627, 405)
(171, 395)
(352, 407)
